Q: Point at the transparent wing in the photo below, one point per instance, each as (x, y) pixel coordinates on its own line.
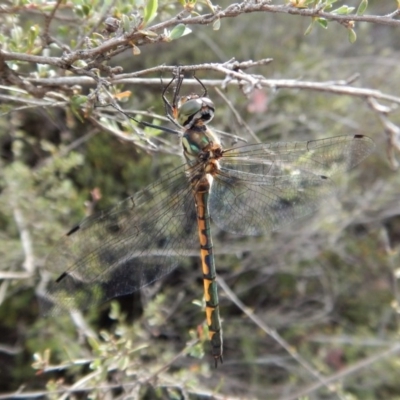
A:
(263, 187)
(121, 250)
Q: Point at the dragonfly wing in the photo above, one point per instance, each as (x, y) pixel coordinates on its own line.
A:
(121, 250)
(264, 187)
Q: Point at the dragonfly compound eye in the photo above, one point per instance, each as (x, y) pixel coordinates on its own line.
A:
(195, 110)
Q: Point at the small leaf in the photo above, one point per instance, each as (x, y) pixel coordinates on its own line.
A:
(76, 103)
(147, 33)
(198, 303)
(115, 310)
(33, 33)
(323, 22)
(86, 9)
(78, 11)
(105, 335)
(123, 363)
(362, 7)
(78, 100)
(179, 31)
(344, 10)
(352, 36)
(188, 5)
(135, 50)
(126, 23)
(298, 3)
(150, 10)
(310, 28)
(123, 95)
(196, 351)
(217, 24)
(94, 344)
(95, 364)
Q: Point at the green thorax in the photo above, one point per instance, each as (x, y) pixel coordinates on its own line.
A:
(194, 114)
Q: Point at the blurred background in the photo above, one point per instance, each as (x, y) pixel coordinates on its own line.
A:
(328, 285)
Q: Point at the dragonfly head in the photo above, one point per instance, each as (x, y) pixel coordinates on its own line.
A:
(194, 110)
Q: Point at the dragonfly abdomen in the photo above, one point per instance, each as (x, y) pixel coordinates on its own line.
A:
(201, 193)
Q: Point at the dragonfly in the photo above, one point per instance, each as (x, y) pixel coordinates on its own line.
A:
(246, 190)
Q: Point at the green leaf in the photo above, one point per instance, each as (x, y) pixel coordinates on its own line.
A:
(150, 11)
(179, 31)
(86, 10)
(115, 310)
(105, 335)
(198, 303)
(95, 364)
(217, 24)
(196, 351)
(94, 344)
(78, 11)
(126, 23)
(323, 22)
(33, 33)
(362, 7)
(83, 10)
(123, 363)
(352, 36)
(344, 10)
(78, 100)
(76, 103)
(310, 27)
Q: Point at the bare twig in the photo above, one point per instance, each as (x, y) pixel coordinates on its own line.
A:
(335, 87)
(26, 240)
(10, 77)
(274, 334)
(353, 369)
(115, 45)
(100, 21)
(391, 129)
(48, 19)
(238, 117)
(247, 7)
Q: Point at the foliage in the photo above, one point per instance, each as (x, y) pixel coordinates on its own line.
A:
(322, 303)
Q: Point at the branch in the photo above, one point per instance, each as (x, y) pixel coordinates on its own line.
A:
(139, 37)
(26, 240)
(392, 131)
(247, 7)
(345, 372)
(231, 69)
(322, 381)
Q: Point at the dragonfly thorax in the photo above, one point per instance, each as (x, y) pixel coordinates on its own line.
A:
(194, 110)
(200, 144)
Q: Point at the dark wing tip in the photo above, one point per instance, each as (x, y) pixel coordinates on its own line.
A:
(366, 139)
(61, 277)
(73, 230)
